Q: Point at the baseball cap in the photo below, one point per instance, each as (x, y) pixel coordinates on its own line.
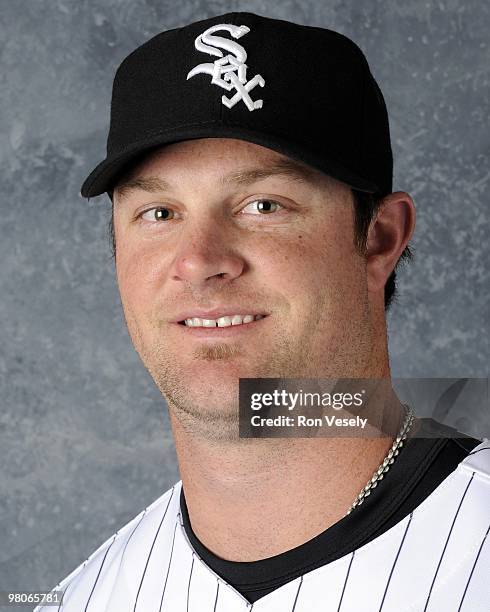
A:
(306, 92)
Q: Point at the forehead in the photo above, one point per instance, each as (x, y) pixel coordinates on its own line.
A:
(220, 158)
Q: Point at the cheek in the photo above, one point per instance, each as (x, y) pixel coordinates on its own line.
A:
(319, 272)
(138, 278)
(137, 261)
(311, 258)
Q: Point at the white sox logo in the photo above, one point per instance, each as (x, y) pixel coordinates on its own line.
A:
(232, 66)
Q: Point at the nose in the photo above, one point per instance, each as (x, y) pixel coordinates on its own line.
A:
(206, 254)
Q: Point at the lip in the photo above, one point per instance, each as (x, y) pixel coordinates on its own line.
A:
(221, 332)
(216, 313)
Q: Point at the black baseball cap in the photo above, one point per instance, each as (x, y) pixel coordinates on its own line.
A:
(306, 92)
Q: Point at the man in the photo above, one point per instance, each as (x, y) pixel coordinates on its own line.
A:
(256, 236)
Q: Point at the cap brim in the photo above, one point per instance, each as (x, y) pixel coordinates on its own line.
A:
(102, 178)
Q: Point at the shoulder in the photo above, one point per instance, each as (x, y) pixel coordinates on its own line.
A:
(436, 556)
(449, 531)
(468, 485)
(477, 461)
(107, 565)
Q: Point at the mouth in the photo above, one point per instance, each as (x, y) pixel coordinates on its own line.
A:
(231, 327)
(236, 320)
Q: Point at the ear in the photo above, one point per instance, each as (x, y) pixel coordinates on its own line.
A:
(388, 235)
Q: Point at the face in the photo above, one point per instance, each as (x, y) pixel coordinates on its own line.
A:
(221, 227)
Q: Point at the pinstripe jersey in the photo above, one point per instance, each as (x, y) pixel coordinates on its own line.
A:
(436, 559)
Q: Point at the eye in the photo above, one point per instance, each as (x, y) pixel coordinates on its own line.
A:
(264, 206)
(157, 213)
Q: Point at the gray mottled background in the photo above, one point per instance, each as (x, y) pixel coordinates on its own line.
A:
(84, 435)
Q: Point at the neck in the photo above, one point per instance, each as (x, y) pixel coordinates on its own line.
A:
(249, 499)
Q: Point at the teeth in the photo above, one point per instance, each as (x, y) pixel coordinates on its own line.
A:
(222, 321)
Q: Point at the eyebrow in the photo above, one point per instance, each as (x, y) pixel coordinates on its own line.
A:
(292, 169)
(152, 184)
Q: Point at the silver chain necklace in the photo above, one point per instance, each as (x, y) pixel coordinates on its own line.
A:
(388, 460)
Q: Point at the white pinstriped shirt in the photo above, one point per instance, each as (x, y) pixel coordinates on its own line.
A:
(436, 559)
